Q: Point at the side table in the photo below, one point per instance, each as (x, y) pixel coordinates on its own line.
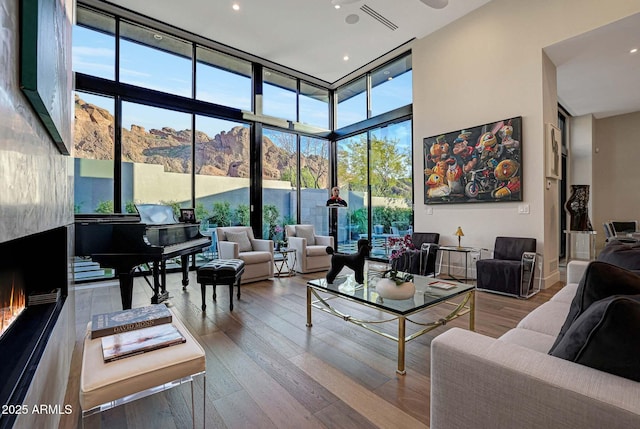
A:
(281, 261)
(465, 251)
(581, 245)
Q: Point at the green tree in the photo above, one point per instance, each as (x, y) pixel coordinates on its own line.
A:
(201, 212)
(390, 167)
(221, 214)
(242, 215)
(270, 214)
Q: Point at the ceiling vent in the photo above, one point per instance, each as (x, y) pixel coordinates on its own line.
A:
(375, 15)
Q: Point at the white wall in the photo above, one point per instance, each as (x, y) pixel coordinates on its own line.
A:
(488, 66)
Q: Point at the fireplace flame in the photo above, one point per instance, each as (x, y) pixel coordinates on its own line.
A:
(12, 307)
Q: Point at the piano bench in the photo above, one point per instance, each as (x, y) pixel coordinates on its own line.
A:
(107, 385)
(220, 271)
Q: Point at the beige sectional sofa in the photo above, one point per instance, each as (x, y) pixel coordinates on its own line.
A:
(511, 382)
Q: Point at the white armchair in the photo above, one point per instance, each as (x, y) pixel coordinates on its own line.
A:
(311, 249)
(238, 242)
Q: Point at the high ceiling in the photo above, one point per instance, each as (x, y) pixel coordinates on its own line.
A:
(309, 36)
(596, 72)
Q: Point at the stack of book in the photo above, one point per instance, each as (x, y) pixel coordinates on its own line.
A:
(138, 330)
(38, 298)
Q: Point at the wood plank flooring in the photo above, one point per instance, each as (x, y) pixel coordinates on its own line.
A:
(266, 369)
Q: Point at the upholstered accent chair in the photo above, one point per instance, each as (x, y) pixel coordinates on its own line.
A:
(311, 249)
(511, 269)
(238, 242)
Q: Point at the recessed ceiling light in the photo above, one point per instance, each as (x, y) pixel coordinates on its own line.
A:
(235, 6)
(633, 51)
(337, 6)
(352, 18)
(390, 78)
(346, 58)
(157, 37)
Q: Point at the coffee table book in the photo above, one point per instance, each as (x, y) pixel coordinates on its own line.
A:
(129, 320)
(131, 343)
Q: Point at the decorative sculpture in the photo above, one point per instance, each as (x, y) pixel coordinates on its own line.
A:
(578, 207)
(353, 261)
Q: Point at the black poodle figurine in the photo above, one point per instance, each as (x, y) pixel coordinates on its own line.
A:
(353, 261)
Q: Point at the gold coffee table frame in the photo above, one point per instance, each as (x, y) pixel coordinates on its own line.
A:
(465, 306)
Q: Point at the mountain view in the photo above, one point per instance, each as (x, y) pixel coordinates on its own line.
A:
(225, 154)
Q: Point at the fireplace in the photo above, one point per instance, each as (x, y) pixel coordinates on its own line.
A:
(33, 287)
(12, 298)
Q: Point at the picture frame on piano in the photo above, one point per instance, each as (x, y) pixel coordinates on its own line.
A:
(187, 215)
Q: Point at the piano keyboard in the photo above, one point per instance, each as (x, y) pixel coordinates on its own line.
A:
(185, 245)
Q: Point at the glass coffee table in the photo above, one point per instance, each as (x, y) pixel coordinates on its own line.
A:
(430, 292)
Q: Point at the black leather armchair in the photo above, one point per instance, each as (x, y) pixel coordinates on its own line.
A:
(422, 260)
(511, 269)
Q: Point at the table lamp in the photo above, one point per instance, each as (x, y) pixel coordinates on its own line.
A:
(459, 233)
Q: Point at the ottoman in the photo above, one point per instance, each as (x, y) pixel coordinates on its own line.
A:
(220, 271)
(107, 385)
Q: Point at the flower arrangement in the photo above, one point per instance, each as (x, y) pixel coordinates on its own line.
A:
(278, 237)
(403, 252)
(400, 246)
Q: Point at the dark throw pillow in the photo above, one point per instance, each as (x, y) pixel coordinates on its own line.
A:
(605, 337)
(599, 281)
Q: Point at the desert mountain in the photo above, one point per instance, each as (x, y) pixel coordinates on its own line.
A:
(225, 154)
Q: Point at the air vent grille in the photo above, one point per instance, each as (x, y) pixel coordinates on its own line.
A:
(375, 15)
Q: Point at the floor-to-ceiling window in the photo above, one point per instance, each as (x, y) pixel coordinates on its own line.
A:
(156, 157)
(222, 172)
(279, 182)
(184, 115)
(353, 177)
(94, 153)
(375, 164)
(314, 183)
(391, 184)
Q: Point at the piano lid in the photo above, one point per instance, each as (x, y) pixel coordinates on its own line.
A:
(156, 214)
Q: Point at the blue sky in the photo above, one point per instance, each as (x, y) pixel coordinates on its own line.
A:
(94, 54)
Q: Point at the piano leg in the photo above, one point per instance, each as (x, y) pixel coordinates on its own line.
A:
(125, 278)
(184, 259)
(160, 293)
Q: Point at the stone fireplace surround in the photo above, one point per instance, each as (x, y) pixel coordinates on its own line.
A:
(36, 199)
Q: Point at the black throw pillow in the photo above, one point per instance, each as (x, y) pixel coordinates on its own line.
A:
(605, 337)
(600, 280)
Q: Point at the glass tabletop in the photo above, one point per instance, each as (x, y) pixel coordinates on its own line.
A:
(429, 291)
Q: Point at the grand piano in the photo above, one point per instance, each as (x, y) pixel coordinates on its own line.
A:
(125, 241)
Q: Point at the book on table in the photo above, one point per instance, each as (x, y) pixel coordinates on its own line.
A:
(140, 341)
(129, 320)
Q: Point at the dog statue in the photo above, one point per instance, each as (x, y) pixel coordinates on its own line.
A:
(354, 261)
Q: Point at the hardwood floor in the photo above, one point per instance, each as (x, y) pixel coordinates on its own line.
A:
(266, 369)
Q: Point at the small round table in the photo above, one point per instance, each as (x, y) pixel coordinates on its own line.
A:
(281, 260)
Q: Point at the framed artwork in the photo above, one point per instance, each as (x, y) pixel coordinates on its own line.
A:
(45, 65)
(188, 215)
(476, 164)
(553, 152)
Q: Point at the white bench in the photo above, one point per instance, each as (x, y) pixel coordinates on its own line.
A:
(107, 385)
